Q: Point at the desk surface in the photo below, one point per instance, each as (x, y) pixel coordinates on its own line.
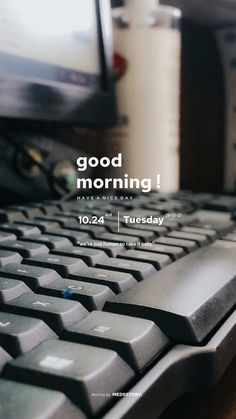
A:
(217, 403)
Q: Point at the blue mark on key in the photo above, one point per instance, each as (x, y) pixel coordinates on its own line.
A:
(67, 293)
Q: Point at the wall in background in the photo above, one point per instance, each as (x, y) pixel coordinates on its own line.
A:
(202, 110)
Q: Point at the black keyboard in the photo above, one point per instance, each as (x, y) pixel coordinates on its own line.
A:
(117, 316)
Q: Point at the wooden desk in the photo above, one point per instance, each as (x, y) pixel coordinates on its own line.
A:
(217, 403)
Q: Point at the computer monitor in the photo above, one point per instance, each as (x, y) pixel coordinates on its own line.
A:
(56, 61)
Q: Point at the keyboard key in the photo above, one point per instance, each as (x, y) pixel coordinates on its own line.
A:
(52, 242)
(138, 341)
(74, 215)
(6, 237)
(111, 225)
(43, 226)
(172, 251)
(29, 211)
(11, 288)
(163, 207)
(139, 270)
(111, 249)
(215, 221)
(20, 230)
(198, 199)
(89, 256)
(174, 206)
(143, 235)
(47, 209)
(117, 281)
(140, 213)
(4, 358)
(211, 234)
(200, 239)
(33, 276)
(188, 298)
(10, 215)
(222, 203)
(113, 218)
(72, 235)
(64, 205)
(130, 241)
(156, 230)
(85, 211)
(92, 296)
(25, 249)
(116, 206)
(62, 264)
(93, 230)
(7, 257)
(159, 261)
(19, 334)
(187, 245)
(60, 219)
(171, 224)
(158, 208)
(56, 312)
(187, 219)
(23, 401)
(77, 370)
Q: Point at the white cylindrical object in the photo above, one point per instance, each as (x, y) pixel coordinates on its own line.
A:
(149, 94)
(139, 9)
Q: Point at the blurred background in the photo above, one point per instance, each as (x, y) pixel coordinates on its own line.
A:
(168, 103)
(207, 94)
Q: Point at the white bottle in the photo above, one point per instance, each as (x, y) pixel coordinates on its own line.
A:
(148, 94)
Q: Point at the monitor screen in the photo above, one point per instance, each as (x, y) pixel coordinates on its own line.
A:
(53, 54)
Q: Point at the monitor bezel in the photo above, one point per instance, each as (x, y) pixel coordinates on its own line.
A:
(41, 101)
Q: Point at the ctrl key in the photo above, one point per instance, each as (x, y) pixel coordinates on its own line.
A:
(84, 373)
(23, 401)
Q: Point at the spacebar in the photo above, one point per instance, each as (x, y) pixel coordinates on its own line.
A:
(189, 298)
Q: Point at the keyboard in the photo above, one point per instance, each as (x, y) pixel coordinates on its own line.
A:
(114, 308)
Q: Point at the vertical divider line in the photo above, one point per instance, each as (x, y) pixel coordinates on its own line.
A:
(118, 229)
